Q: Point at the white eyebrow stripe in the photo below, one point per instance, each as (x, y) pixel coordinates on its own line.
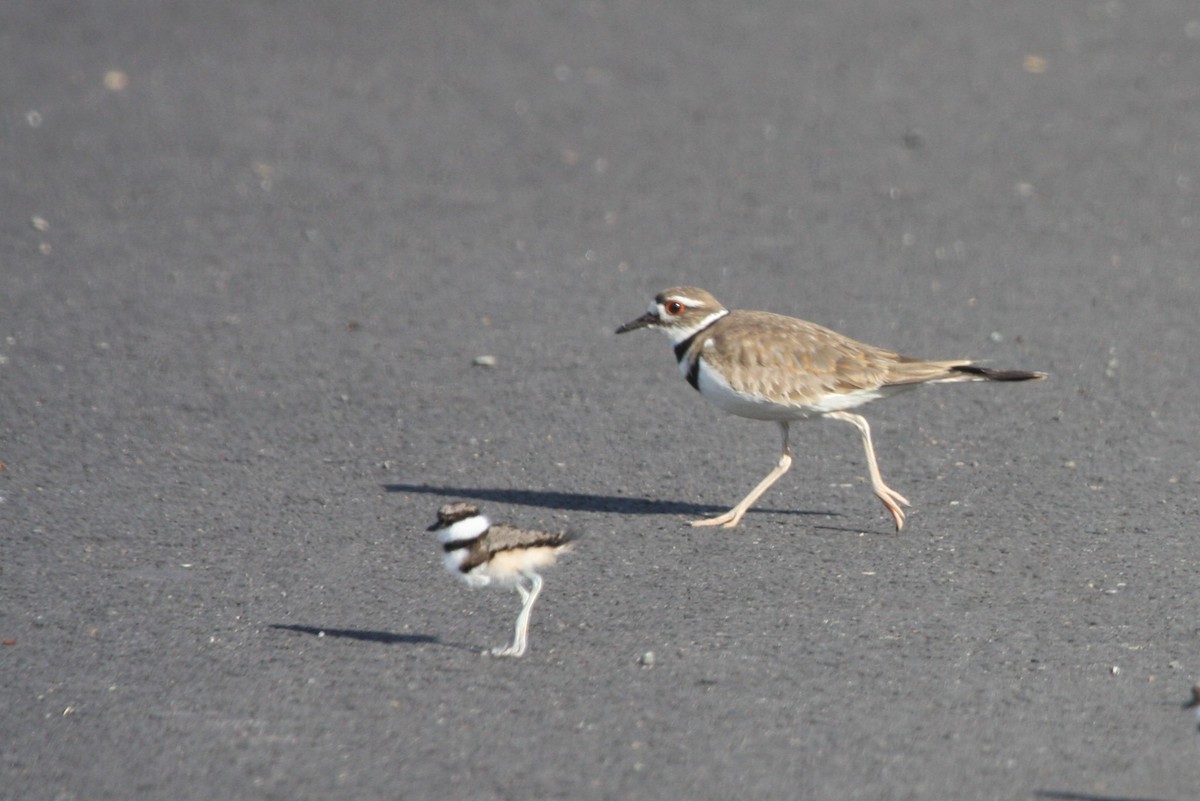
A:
(685, 300)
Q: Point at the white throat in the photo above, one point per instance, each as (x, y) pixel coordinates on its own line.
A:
(467, 529)
(680, 333)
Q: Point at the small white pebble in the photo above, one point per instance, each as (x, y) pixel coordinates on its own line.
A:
(646, 660)
(484, 361)
(116, 80)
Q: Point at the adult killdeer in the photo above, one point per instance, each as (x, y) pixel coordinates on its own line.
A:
(769, 367)
(480, 554)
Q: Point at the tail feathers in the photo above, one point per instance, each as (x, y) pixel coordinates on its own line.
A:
(563, 542)
(572, 536)
(978, 373)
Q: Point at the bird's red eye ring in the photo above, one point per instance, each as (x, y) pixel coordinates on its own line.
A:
(675, 307)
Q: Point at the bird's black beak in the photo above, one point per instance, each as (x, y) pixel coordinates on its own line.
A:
(435, 526)
(647, 319)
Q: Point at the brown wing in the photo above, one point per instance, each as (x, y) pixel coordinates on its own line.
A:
(805, 361)
(503, 538)
(506, 538)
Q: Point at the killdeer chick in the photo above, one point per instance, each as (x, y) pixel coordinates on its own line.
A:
(481, 553)
(769, 367)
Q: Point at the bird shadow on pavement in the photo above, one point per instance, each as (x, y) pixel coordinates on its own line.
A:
(883, 529)
(582, 502)
(1056, 795)
(367, 635)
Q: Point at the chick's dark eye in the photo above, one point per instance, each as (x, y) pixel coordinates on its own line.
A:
(675, 307)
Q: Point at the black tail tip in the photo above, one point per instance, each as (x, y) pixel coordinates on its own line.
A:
(1000, 375)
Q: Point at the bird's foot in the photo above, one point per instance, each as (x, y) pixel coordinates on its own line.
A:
(727, 520)
(507, 650)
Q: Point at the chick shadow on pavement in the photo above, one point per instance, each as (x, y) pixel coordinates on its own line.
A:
(582, 502)
(1058, 795)
(367, 635)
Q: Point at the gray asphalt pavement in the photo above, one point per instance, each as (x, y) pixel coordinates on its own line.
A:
(249, 252)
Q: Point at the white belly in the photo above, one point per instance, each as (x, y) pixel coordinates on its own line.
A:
(759, 407)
